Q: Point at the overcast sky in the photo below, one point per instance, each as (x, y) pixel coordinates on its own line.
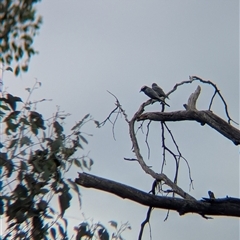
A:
(89, 47)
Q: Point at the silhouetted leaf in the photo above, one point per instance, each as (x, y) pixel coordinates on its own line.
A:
(113, 224)
(1, 206)
(58, 128)
(85, 163)
(34, 128)
(25, 141)
(20, 52)
(80, 122)
(65, 222)
(74, 186)
(103, 234)
(37, 224)
(9, 59)
(20, 176)
(34, 114)
(43, 191)
(83, 139)
(17, 99)
(13, 143)
(64, 199)
(21, 235)
(24, 68)
(77, 163)
(4, 107)
(53, 233)
(11, 100)
(60, 229)
(12, 115)
(17, 70)
(36, 121)
(97, 123)
(42, 205)
(91, 162)
(82, 231)
(56, 145)
(9, 68)
(20, 216)
(9, 167)
(21, 191)
(23, 166)
(46, 175)
(28, 39)
(24, 121)
(3, 158)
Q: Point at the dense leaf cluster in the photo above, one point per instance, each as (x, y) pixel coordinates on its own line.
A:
(35, 156)
(19, 25)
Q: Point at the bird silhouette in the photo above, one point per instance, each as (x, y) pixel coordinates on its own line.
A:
(152, 94)
(211, 195)
(159, 91)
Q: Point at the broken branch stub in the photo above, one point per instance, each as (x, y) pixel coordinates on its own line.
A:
(192, 100)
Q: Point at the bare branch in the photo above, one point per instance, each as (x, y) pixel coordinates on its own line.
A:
(179, 156)
(216, 92)
(204, 117)
(156, 176)
(218, 207)
(130, 159)
(145, 222)
(118, 110)
(146, 139)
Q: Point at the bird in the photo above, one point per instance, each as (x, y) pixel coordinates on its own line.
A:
(152, 94)
(211, 195)
(159, 91)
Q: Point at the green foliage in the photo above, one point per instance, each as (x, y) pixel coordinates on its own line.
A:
(19, 25)
(36, 154)
(87, 230)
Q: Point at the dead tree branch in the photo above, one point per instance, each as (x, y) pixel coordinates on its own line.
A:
(159, 177)
(216, 92)
(203, 117)
(218, 207)
(187, 203)
(191, 113)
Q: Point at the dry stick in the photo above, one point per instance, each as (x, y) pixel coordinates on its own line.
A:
(146, 139)
(145, 222)
(179, 156)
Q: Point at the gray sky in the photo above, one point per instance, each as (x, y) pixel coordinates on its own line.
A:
(88, 47)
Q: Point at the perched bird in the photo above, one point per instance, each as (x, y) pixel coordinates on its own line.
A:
(159, 91)
(152, 94)
(211, 195)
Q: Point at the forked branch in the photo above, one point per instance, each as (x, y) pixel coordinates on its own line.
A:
(192, 114)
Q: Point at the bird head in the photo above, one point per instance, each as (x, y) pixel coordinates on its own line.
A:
(154, 85)
(143, 89)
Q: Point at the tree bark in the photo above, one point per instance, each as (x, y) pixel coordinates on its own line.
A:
(204, 117)
(218, 207)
